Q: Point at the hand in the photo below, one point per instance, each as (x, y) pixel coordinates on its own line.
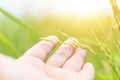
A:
(62, 65)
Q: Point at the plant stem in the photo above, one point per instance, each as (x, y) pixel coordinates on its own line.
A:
(8, 44)
(116, 12)
(105, 50)
(21, 23)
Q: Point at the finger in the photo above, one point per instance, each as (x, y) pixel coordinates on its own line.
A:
(75, 63)
(43, 48)
(87, 73)
(62, 54)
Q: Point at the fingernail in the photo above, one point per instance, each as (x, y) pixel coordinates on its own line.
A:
(81, 49)
(52, 38)
(71, 41)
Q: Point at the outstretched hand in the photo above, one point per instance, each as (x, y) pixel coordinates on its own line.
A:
(67, 63)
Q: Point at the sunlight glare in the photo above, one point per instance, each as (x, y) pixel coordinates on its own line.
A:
(118, 2)
(77, 7)
(59, 7)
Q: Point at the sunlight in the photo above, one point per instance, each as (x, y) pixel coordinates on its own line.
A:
(118, 2)
(58, 7)
(87, 6)
(77, 7)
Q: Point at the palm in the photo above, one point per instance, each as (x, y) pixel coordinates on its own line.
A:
(60, 66)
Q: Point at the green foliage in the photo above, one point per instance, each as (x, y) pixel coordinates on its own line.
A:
(99, 36)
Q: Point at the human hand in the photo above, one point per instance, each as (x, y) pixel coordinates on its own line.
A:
(62, 65)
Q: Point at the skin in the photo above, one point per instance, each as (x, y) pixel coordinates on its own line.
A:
(67, 63)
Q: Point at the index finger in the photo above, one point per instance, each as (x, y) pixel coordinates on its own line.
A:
(43, 48)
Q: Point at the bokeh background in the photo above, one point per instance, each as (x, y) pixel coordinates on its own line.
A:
(73, 17)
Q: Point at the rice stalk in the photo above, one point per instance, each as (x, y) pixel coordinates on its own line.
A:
(117, 44)
(107, 53)
(100, 45)
(116, 12)
(20, 22)
(78, 44)
(7, 43)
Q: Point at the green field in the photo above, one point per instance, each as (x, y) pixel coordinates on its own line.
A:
(17, 37)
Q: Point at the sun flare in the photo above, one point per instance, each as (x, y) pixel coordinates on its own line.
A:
(118, 2)
(77, 7)
(59, 7)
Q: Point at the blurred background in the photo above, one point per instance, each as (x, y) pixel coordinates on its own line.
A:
(73, 17)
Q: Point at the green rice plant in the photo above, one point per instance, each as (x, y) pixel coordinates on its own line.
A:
(104, 49)
(101, 43)
(8, 44)
(108, 55)
(78, 44)
(20, 22)
(115, 33)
